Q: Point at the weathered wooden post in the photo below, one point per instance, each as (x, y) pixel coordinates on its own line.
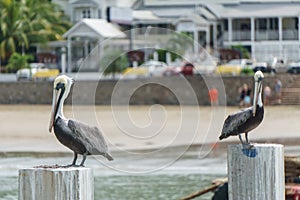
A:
(73, 183)
(257, 173)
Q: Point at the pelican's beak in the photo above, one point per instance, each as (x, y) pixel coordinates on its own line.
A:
(257, 88)
(53, 110)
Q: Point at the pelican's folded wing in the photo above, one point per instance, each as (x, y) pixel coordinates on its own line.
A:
(90, 136)
(235, 121)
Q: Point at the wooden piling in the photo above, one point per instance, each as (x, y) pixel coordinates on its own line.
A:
(73, 183)
(257, 173)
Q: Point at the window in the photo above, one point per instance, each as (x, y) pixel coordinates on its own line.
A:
(266, 24)
(274, 23)
(86, 13)
(262, 24)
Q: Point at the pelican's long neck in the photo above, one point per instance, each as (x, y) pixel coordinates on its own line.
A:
(257, 101)
(61, 89)
(60, 104)
(259, 98)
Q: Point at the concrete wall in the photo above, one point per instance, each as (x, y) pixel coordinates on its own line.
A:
(166, 90)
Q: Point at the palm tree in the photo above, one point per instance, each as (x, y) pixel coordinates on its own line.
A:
(24, 22)
(48, 22)
(12, 23)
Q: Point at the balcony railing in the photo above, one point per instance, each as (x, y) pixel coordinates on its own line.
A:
(241, 35)
(237, 36)
(266, 35)
(289, 34)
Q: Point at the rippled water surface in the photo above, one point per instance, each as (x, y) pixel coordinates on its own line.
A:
(183, 177)
(132, 187)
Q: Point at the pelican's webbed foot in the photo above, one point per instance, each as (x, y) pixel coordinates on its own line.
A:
(74, 161)
(247, 144)
(72, 165)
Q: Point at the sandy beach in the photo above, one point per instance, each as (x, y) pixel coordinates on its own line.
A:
(25, 127)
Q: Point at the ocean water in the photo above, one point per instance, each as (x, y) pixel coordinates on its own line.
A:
(150, 187)
(128, 178)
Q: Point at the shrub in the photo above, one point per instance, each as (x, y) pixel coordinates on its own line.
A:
(247, 71)
(18, 61)
(114, 62)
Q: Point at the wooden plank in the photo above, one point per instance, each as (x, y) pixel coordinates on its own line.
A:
(205, 190)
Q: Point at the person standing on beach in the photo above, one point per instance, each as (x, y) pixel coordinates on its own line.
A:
(278, 87)
(245, 99)
(213, 96)
(267, 95)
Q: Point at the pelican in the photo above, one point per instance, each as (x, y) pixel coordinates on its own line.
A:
(248, 119)
(79, 137)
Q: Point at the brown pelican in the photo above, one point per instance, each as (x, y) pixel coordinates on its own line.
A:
(247, 119)
(77, 136)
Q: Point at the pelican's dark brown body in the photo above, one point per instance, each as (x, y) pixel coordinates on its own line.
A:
(81, 138)
(242, 122)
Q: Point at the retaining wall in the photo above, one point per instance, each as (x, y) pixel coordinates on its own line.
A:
(164, 90)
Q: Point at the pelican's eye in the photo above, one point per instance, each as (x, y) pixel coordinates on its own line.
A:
(60, 86)
(260, 78)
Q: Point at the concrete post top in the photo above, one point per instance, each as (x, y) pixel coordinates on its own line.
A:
(56, 183)
(259, 145)
(56, 168)
(258, 149)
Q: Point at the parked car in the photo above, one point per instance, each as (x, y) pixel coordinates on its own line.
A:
(149, 68)
(187, 70)
(234, 67)
(36, 71)
(264, 67)
(294, 68)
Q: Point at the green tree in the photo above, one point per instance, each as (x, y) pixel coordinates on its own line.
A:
(24, 22)
(244, 52)
(18, 61)
(47, 21)
(162, 55)
(12, 23)
(114, 61)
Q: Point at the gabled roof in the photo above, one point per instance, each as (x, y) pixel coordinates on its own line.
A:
(96, 28)
(195, 18)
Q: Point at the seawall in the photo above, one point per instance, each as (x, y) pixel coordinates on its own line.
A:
(164, 90)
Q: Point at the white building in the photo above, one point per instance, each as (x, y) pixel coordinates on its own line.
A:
(267, 28)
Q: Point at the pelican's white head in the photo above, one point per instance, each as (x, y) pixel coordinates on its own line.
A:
(63, 82)
(258, 77)
(61, 89)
